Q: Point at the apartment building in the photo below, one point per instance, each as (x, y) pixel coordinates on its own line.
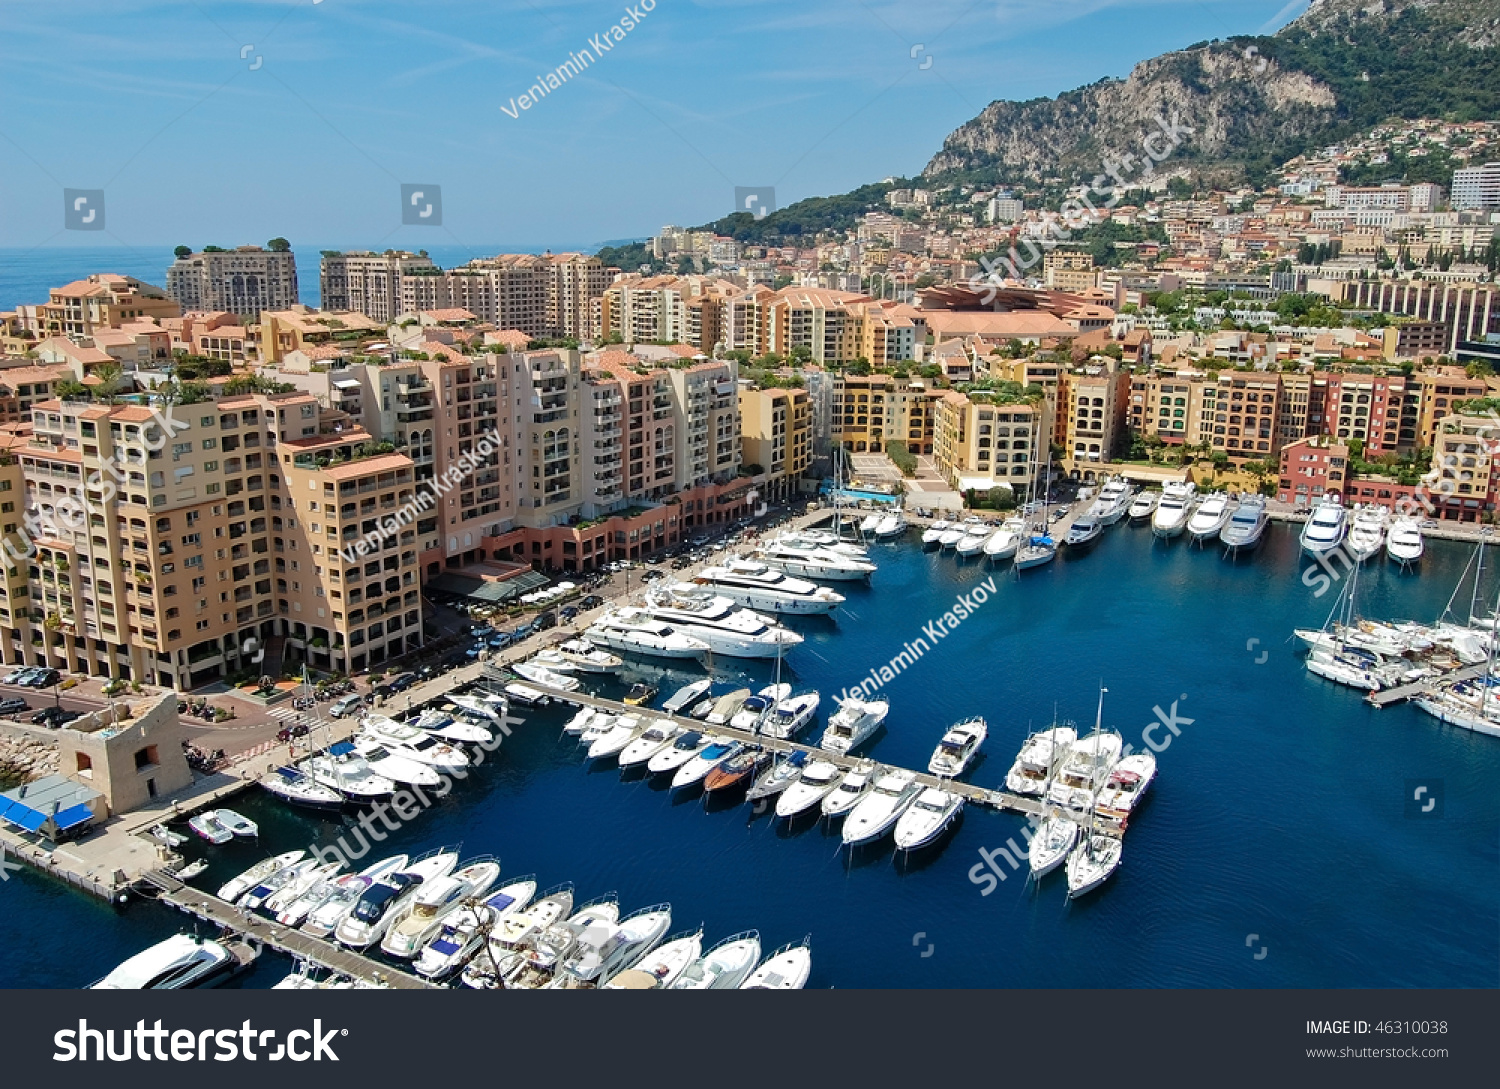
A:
(776, 434)
(1440, 388)
(1069, 270)
(1477, 187)
(1465, 475)
(543, 296)
(1244, 409)
(1371, 409)
(1414, 339)
(1311, 467)
(1468, 310)
(982, 440)
(1098, 400)
(673, 309)
(99, 302)
(705, 397)
(243, 281)
(368, 282)
(867, 412)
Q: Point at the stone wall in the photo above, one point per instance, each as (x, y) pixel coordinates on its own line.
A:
(24, 758)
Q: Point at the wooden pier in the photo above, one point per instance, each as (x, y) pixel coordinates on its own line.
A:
(995, 799)
(267, 932)
(1387, 696)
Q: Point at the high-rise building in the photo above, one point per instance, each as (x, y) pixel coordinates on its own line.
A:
(1477, 187)
(243, 281)
(776, 435)
(543, 296)
(368, 282)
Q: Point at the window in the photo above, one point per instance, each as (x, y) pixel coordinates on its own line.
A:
(210, 466)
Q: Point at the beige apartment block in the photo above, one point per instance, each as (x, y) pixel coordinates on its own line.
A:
(983, 437)
(776, 434)
(102, 301)
(243, 281)
(368, 282)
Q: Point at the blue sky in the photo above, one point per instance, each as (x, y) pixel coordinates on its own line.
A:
(193, 142)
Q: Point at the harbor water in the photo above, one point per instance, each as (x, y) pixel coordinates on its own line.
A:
(1276, 848)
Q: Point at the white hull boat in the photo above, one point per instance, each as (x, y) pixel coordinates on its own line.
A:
(1246, 526)
(756, 585)
(726, 628)
(672, 757)
(1143, 506)
(661, 967)
(1038, 757)
(877, 812)
(851, 790)
(790, 716)
(927, 819)
(381, 903)
(817, 781)
(1050, 844)
(656, 737)
(786, 969)
(325, 918)
(1211, 517)
(1091, 863)
(724, 967)
(958, 747)
(236, 887)
(636, 632)
(853, 724)
(1403, 544)
(434, 902)
(1326, 529)
(1173, 509)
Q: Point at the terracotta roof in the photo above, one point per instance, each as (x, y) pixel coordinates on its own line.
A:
(381, 464)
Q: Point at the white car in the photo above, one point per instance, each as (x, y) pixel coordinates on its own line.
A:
(346, 705)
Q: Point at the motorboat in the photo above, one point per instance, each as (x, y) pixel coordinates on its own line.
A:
(178, 963)
(584, 657)
(958, 747)
(1212, 515)
(1367, 531)
(973, 541)
(206, 825)
(1084, 531)
(1126, 784)
(453, 729)
(1038, 549)
(316, 877)
(1173, 509)
(632, 630)
(526, 695)
(790, 716)
(934, 532)
(236, 887)
(1246, 526)
(1143, 506)
(727, 706)
(656, 737)
(411, 743)
(738, 770)
(387, 899)
(1038, 757)
(489, 709)
(952, 535)
(756, 585)
(295, 911)
(598, 958)
(349, 773)
(786, 969)
(672, 757)
(710, 757)
(892, 524)
(294, 875)
(853, 724)
(754, 709)
(686, 696)
(877, 812)
(513, 921)
(640, 694)
(551, 660)
(297, 788)
(1403, 543)
(1112, 501)
(413, 927)
(1050, 844)
(239, 826)
(538, 674)
(851, 790)
(724, 967)
(868, 523)
(1326, 528)
(1350, 670)
(325, 918)
(539, 963)
(625, 730)
(817, 781)
(727, 628)
(1085, 768)
(661, 967)
(927, 819)
(814, 562)
(601, 724)
(397, 767)
(1090, 864)
(1002, 544)
(166, 837)
(778, 777)
(821, 538)
(703, 708)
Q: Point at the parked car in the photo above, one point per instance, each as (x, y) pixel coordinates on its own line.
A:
(500, 640)
(545, 621)
(45, 716)
(593, 601)
(15, 675)
(401, 682)
(13, 706)
(62, 718)
(42, 678)
(347, 705)
(568, 612)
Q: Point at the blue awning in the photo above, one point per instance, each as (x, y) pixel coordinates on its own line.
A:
(29, 819)
(72, 818)
(341, 748)
(5, 807)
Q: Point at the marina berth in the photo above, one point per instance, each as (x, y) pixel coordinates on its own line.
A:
(414, 926)
(1085, 530)
(778, 777)
(891, 525)
(656, 737)
(686, 696)
(974, 538)
(536, 963)
(934, 532)
(1092, 862)
(625, 730)
(603, 953)
(1173, 509)
(704, 761)
(1143, 506)
(757, 585)
(324, 919)
(790, 716)
(387, 899)
(1403, 544)
(878, 811)
(660, 968)
(726, 707)
(295, 876)
(850, 791)
(672, 757)
(236, 887)
(1035, 551)
(818, 779)
(1246, 526)
(1326, 529)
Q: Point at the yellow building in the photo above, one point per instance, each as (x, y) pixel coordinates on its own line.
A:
(776, 434)
(985, 439)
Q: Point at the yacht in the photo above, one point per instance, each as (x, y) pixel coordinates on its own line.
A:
(414, 926)
(1084, 769)
(737, 770)
(932, 534)
(754, 709)
(584, 657)
(396, 767)
(852, 724)
(952, 535)
(289, 893)
(817, 781)
(633, 630)
(1004, 541)
(527, 695)
(236, 887)
(1091, 863)
(974, 540)
(1173, 509)
(297, 875)
(491, 709)
(1112, 502)
(868, 523)
(708, 758)
(727, 628)
(1403, 543)
(1084, 531)
(686, 696)
(877, 812)
(413, 744)
(1038, 549)
(656, 737)
(601, 954)
(757, 586)
(1211, 517)
(1143, 506)
(661, 967)
(539, 964)
(1126, 784)
(1050, 844)
(581, 720)
(325, 918)
(851, 790)
(927, 819)
(790, 716)
(1326, 528)
(180, 962)
(1246, 526)
(1367, 531)
(958, 747)
(891, 525)
(815, 562)
(1461, 707)
(300, 789)
(726, 707)
(453, 729)
(778, 777)
(671, 757)
(1037, 759)
(819, 538)
(1349, 668)
(296, 911)
(786, 969)
(380, 904)
(724, 967)
(625, 730)
(463, 932)
(538, 674)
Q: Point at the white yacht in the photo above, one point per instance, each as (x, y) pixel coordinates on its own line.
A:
(727, 628)
(453, 729)
(1367, 531)
(877, 812)
(726, 707)
(932, 534)
(509, 917)
(814, 562)
(891, 525)
(1091, 863)
(414, 926)
(1050, 844)
(603, 953)
(1037, 759)
(952, 535)
(236, 887)
(178, 963)
(652, 740)
(974, 540)
(1084, 531)
(756, 585)
(819, 538)
(1003, 543)
(958, 747)
(1085, 768)
(1211, 517)
(634, 630)
(671, 757)
(927, 819)
(298, 875)
(1325, 530)
(704, 761)
(1112, 502)
(1126, 784)
(1246, 526)
(779, 777)
(724, 967)
(289, 893)
(1349, 668)
(661, 967)
(851, 790)
(325, 918)
(538, 674)
(626, 729)
(412, 743)
(584, 657)
(790, 716)
(868, 523)
(1143, 506)
(295, 912)
(1173, 509)
(818, 779)
(786, 969)
(689, 694)
(485, 708)
(296, 787)
(382, 902)
(1403, 543)
(1035, 550)
(535, 964)
(852, 724)
(397, 767)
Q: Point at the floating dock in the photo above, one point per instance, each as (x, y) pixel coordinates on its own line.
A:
(1387, 696)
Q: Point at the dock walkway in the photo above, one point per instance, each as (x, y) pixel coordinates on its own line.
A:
(1387, 696)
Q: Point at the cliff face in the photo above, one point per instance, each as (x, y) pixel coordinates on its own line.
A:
(1255, 100)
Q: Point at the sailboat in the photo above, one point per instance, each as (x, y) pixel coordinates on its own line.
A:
(1470, 705)
(1039, 548)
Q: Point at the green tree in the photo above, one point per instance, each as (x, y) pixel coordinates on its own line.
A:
(279, 245)
(183, 251)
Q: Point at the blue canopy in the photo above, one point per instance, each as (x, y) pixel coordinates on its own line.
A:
(798, 758)
(341, 748)
(72, 818)
(29, 819)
